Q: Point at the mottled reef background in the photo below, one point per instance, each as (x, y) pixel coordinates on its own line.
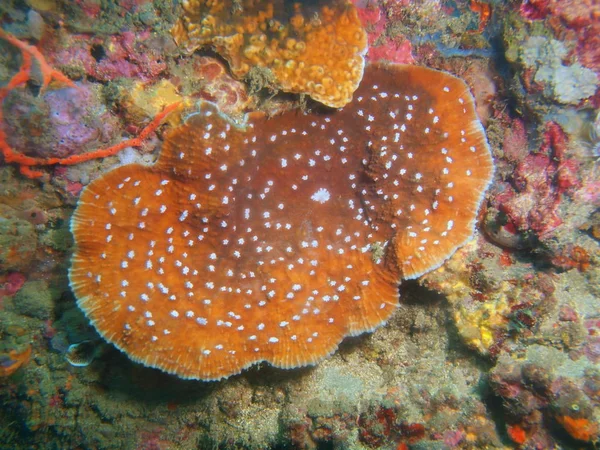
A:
(499, 348)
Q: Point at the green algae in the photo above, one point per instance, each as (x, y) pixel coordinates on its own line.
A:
(34, 299)
(18, 243)
(59, 239)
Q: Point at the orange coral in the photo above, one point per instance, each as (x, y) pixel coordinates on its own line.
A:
(274, 242)
(318, 51)
(11, 362)
(48, 75)
(579, 428)
(485, 13)
(573, 257)
(517, 434)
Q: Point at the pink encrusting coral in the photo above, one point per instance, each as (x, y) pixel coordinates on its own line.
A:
(397, 49)
(125, 55)
(575, 13)
(275, 242)
(59, 122)
(10, 284)
(531, 201)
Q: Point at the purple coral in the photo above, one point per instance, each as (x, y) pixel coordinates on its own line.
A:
(125, 55)
(59, 123)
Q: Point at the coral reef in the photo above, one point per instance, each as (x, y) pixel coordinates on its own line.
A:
(498, 348)
(396, 49)
(17, 242)
(547, 386)
(34, 300)
(568, 84)
(125, 55)
(49, 74)
(539, 183)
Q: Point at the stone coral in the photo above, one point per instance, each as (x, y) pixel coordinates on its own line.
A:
(318, 51)
(276, 242)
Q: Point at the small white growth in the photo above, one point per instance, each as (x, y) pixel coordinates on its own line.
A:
(321, 196)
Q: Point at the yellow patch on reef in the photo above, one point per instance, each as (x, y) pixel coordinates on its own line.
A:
(478, 322)
(150, 100)
(154, 98)
(315, 49)
(478, 326)
(42, 5)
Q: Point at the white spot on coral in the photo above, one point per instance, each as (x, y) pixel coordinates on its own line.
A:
(321, 196)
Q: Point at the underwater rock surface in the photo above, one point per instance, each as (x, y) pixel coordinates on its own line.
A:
(497, 348)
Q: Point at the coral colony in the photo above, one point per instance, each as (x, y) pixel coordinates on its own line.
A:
(316, 49)
(274, 241)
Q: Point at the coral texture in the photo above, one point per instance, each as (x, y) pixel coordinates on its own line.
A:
(315, 51)
(276, 242)
(60, 122)
(568, 84)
